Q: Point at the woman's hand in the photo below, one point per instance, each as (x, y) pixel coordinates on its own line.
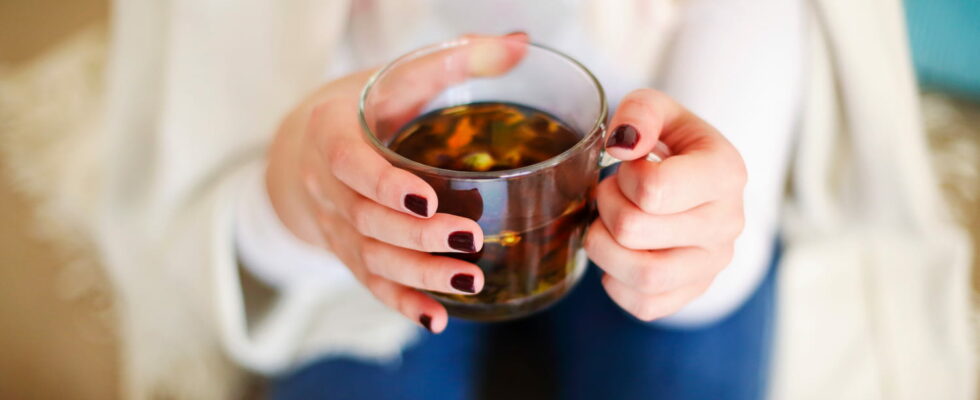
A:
(665, 229)
(331, 189)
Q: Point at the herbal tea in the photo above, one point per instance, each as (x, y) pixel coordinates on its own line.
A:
(533, 235)
(484, 137)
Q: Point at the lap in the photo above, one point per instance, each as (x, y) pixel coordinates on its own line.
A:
(605, 353)
(436, 367)
(584, 348)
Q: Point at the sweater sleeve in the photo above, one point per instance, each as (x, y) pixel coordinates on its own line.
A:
(196, 90)
(268, 250)
(739, 64)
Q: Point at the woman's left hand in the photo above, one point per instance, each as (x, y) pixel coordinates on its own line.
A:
(666, 229)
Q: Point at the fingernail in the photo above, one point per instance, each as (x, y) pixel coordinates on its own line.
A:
(463, 283)
(515, 34)
(625, 136)
(426, 321)
(462, 241)
(417, 204)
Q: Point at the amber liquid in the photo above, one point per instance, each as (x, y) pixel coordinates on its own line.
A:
(526, 268)
(484, 137)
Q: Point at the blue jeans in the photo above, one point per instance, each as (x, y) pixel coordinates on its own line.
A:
(583, 348)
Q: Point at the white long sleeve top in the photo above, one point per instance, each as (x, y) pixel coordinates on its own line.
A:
(729, 61)
(737, 63)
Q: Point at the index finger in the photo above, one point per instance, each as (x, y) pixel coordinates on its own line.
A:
(409, 85)
(352, 161)
(412, 84)
(703, 166)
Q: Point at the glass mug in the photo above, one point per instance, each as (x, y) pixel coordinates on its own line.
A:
(533, 218)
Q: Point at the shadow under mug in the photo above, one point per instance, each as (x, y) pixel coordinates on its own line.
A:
(533, 218)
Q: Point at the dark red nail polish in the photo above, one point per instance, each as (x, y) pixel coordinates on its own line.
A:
(417, 204)
(463, 283)
(426, 321)
(462, 241)
(625, 136)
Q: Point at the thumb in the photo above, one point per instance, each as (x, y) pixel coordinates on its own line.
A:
(638, 123)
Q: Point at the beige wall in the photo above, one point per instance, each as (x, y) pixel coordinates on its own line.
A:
(53, 345)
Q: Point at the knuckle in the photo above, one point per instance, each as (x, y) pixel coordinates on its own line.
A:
(644, 98)
(738, 174)
(387, 178)
(633, 102)
(738, 225)
(650, 189)
(724, 256)
(308, 165)
(703, 287)
(636, 109)
(324, 222)
(626, 229)
(722, 224)
(732, 228)
(362, 274)
(382, 290)
(650, 279)
(339, 155)
(419, 237)
(319, 111)
(648, 93)
(325, 105)
(375, 285)
(328, 107)
(366, 252)
(741, 174)
(725, 232)
(590, 244)
(740, 170)
(650, 196)
(360, 216)
(318, 114)
(430, 278)
(646, 310)
(310, 183)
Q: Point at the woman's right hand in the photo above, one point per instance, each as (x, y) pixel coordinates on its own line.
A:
(332, 189)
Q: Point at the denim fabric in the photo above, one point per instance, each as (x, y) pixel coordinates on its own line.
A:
(583, 348)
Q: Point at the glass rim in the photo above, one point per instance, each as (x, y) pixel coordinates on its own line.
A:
(479, 175)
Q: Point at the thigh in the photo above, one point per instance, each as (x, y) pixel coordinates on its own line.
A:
(441, 366)
(604, 353)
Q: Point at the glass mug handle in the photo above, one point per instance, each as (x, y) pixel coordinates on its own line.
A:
(659, 153)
